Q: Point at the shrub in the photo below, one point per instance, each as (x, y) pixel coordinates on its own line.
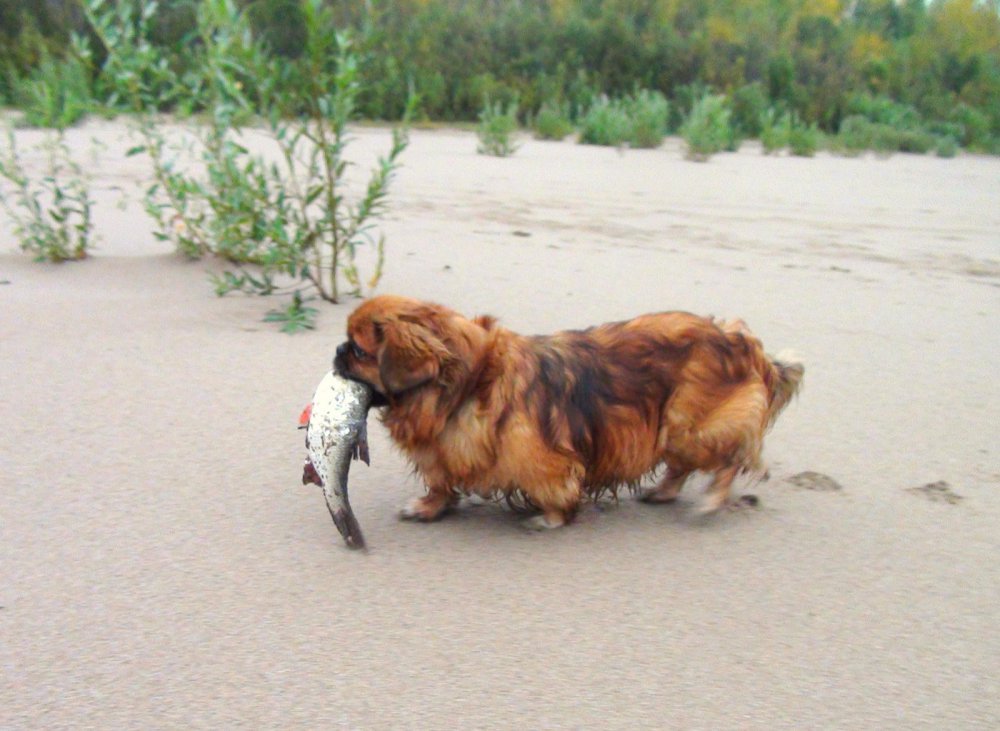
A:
(750, 107)
(886, 126)
(975, 126)
(605, 123)
(136, 74)
(552, 121)
(855, 136)
(496, 129)
(885, 139)
(52, 218)
(648, 113)
(774, 130)
(707, 129)
(56, 94)
(946, 129)
(803, 139)
(287, 219)
(946, 147)
(915, 140)
(640, 120)
(858, 134)
(883, 110)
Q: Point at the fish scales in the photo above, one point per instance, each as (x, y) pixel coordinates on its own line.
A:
(336, 433)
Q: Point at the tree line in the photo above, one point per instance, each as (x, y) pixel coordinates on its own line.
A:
(822, 60)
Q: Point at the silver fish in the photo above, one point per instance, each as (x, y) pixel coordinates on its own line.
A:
(336, 433)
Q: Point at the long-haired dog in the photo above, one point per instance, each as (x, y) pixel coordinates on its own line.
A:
(480, 409)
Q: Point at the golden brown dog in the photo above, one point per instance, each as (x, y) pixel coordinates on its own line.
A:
(480, 409)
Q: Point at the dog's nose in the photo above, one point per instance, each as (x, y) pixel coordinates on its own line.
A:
(340, 358)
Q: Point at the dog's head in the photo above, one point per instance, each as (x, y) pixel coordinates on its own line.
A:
(400, 346)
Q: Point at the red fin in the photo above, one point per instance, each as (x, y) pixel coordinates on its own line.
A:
(304, 416)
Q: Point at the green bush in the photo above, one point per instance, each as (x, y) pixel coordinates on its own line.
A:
(886, 126)
(52, 217)
(648, 113)
(136, 74)
(883, 110)
(946, 147)
(56, 94)
(750, 106)
(918, 141)
(496, 129)
(279, 221)
(803, 139)
(606, 122)
(707, 129)
(640, 120)
(885, 139)
(774, 130)
(552, 121)
(975, 126)
(946, 129)
(856, 135)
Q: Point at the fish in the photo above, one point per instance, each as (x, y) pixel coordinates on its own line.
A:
(337, 433)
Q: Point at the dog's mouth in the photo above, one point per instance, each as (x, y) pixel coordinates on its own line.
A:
(340, 368)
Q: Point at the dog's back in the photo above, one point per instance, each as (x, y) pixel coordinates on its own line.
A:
(625, 397)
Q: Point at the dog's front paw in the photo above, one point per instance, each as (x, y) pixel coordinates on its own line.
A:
(423, 510)
(545, 521)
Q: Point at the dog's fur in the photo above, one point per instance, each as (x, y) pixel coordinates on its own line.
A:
(481, 409)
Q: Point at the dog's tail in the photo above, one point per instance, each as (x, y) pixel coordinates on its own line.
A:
(784, 381)
(781, 375)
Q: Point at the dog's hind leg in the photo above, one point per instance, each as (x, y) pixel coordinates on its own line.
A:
(717, 493)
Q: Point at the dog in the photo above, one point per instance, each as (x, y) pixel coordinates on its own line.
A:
(479, 409)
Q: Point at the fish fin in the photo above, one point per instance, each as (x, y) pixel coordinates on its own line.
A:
(310, 475)
(361, 446)
(305, 415)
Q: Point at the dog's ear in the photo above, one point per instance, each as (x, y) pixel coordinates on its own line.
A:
(411, 354)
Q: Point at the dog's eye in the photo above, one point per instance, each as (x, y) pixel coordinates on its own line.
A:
(358, 352)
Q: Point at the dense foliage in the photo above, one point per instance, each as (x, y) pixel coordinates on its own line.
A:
(823, 60)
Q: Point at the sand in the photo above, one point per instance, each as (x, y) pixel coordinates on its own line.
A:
(161, 566)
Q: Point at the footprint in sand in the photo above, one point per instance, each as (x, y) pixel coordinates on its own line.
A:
(936, 492)
(815, 481)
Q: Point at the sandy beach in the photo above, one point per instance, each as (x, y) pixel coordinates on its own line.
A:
(161, 566)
